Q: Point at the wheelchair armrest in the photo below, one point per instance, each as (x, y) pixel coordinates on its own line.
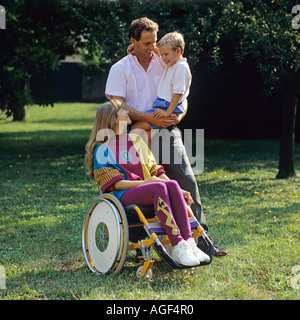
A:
(132, 215)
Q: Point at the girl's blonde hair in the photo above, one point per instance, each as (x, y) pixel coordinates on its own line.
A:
(106, 118)
(174, 40)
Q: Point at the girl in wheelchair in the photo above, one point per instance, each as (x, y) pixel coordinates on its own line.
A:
(123, 164)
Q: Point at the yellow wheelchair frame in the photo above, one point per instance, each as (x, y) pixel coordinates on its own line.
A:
(109, 227)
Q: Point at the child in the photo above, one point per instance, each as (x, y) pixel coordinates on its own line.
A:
(174, 85)
(125, 166)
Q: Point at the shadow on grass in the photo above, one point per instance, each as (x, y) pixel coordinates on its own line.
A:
(79, 122)
(44, 143)
(243, 155)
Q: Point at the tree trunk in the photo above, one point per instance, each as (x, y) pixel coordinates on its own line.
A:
(19, 113)
(287, 142)
(21, 97)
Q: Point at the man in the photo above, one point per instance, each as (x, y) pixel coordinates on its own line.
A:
(134, 79)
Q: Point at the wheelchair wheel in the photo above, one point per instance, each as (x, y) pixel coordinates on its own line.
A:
(105, 236)
(148, 275)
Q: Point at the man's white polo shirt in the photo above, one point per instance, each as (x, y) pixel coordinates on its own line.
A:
(128, 79)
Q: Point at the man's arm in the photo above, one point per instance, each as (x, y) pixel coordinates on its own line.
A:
(133, 113)
(143, 116)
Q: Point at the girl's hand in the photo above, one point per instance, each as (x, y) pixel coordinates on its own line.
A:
(153, 179)
(188, 197)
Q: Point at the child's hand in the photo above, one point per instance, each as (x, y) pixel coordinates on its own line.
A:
(130, 49)
(156, 50)
(159, 113)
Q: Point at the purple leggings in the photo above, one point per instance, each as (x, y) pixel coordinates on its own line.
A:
(169, 206)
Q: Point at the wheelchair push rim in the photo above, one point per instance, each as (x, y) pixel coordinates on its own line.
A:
(105, 236)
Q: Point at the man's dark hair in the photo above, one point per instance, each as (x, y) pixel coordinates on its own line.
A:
(139, 25)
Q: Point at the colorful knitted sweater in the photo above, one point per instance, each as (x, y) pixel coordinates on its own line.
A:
(127, 157)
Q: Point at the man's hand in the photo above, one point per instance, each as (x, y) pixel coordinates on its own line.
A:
(162, 122)
(188, 197)
(160, 113)
(176, 118)
(148, 117)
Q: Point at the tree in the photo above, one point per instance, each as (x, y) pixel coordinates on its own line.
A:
(262, 31)
(38, 35)
(216, 32)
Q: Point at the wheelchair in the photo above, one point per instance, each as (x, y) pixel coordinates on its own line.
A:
(111, 230)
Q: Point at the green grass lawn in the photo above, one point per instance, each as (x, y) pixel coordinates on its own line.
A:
(45, 195)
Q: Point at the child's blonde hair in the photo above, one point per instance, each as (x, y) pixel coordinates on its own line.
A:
(173, 39)
(106, 117)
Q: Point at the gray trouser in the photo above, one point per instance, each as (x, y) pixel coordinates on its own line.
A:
(167, 146)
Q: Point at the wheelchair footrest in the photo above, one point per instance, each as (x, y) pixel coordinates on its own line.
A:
(156, 227)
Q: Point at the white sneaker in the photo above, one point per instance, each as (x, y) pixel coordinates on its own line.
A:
(183, 255)
(198, 253)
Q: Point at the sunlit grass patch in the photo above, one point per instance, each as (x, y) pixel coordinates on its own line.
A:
(45, 196)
